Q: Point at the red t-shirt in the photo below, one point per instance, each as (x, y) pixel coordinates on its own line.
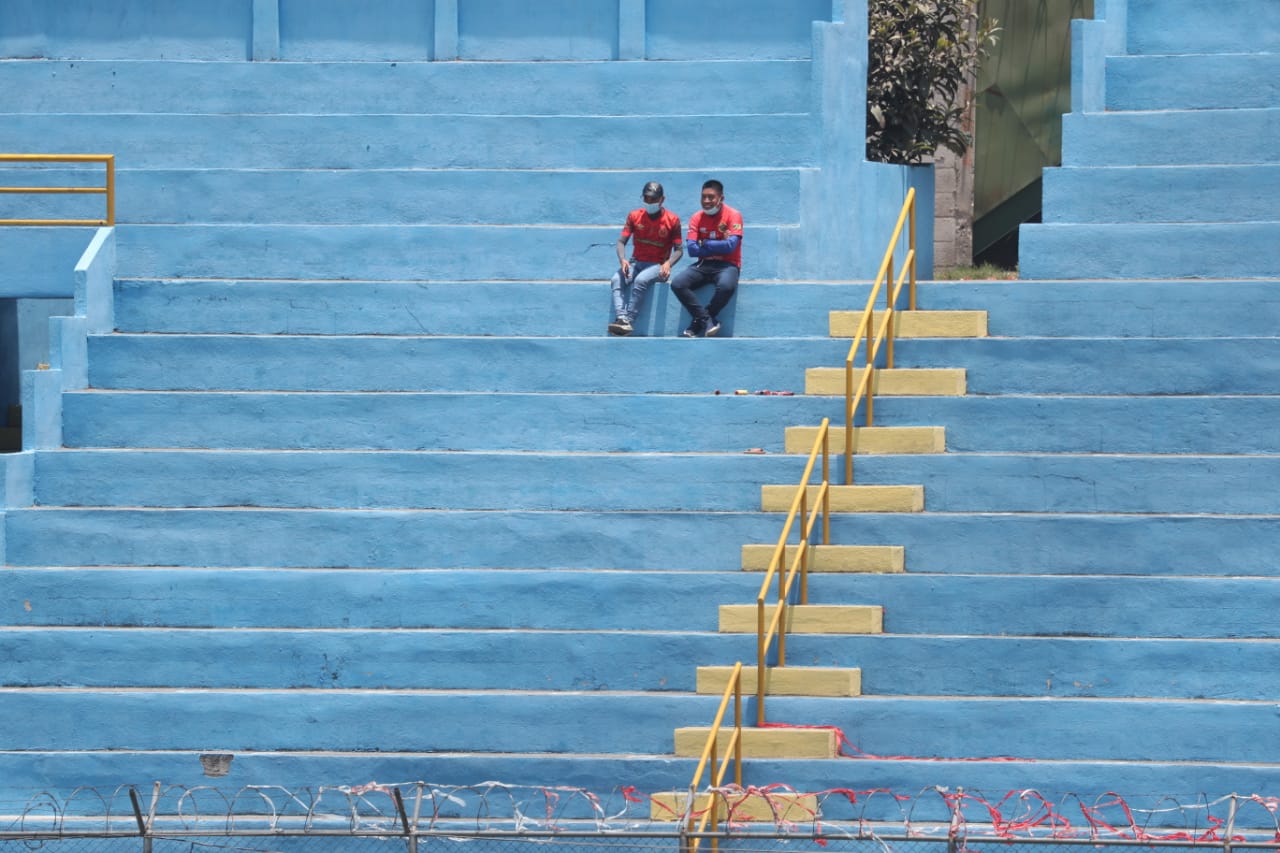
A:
(722, 226)
(654, 235)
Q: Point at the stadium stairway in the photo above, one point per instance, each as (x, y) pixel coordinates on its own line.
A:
(428, 522)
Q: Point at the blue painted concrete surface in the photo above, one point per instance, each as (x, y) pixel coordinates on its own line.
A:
(1014, 543)
(1091, 309)
(454, 88)
(1162, 194)
(401, 196)
(1192, 250)
(1186, 26)
(595, 364)
(396, 252)
(1169, 138)
(517, 308)
(397, 141)
(312, 420)
(1195, 81)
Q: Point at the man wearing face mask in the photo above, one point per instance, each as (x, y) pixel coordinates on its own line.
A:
(715, 239)
(656, 251)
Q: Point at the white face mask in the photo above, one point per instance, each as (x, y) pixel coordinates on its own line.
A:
(711, 211)
(652, 209)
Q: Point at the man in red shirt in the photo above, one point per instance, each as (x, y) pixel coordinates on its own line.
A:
(715, 239)
(656, 250)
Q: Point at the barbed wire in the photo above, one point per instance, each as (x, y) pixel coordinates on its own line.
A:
(418, 807)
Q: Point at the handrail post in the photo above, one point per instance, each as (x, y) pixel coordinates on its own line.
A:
(111, 190)
(911, 230)
(826, 478)
(888, 307)
(761, 662)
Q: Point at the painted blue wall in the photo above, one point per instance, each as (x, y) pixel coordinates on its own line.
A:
(410, 29)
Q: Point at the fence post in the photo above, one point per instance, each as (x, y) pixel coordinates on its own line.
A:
(143, 829)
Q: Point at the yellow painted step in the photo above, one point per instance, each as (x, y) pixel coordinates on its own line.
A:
(786, 680)
(902, 439)
(761, 743)
(738, 805)
(853, 498)
(898, 382)
(807, 618)
(867, 559)
(916, 324)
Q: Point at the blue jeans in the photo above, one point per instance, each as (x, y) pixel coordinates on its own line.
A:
(643, 274)
(722, 274)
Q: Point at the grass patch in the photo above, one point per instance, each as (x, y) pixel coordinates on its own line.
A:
(982, 272)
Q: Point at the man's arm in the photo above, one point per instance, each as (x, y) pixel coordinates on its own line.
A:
(720, 247)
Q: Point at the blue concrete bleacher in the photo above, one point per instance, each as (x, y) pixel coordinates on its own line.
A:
(338, 461)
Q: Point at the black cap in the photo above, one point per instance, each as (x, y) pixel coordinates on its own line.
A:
(653, 191)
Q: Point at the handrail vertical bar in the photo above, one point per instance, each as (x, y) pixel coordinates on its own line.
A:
(848, 421)
(761, 663)
(888, 307)
(111, 190)
(911, 231)
(826, 478)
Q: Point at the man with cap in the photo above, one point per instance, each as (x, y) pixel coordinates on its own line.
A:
(656, 250)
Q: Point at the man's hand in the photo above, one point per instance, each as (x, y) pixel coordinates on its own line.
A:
(626, 268)
(665, 271)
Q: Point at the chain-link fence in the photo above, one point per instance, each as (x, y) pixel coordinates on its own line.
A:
(494, 818)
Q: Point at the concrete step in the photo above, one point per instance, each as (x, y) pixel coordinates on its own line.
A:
(934, 542)
(876, 439)
(855, 498)
(1094, 308)
(760, 743)
(393, 196)
(342, 720)
(398, 659)
(459, 603)
(908, 776)
(481, 364)
(900, 381)
(1098, 366)
(1209, 424)
(462, 88)
(397, 252)
(1060, 308)
(520, 308)
(1184, 26)
(447, 422)
(1169, 138)
(806, 618)
(744, 806)
(920, 323)
(1193, 81)
(833, 559)
(1193, 250)
(1066, 728)
(1107, 669)
(1031, 482)
(1161, 194)
(334, 600)
(431, 480)
(373, 141)
(785, 681)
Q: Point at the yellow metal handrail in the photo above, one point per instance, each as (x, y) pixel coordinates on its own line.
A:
(708, 760)
(799, 565)
(108, 189)
(853, 395)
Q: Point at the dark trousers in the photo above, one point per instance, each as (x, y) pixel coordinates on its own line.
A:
(722, 274)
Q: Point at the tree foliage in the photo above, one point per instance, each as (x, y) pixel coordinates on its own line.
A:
(921, 52)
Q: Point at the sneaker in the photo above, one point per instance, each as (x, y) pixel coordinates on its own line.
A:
(620, 327)
(697, 329)
(713, 326)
